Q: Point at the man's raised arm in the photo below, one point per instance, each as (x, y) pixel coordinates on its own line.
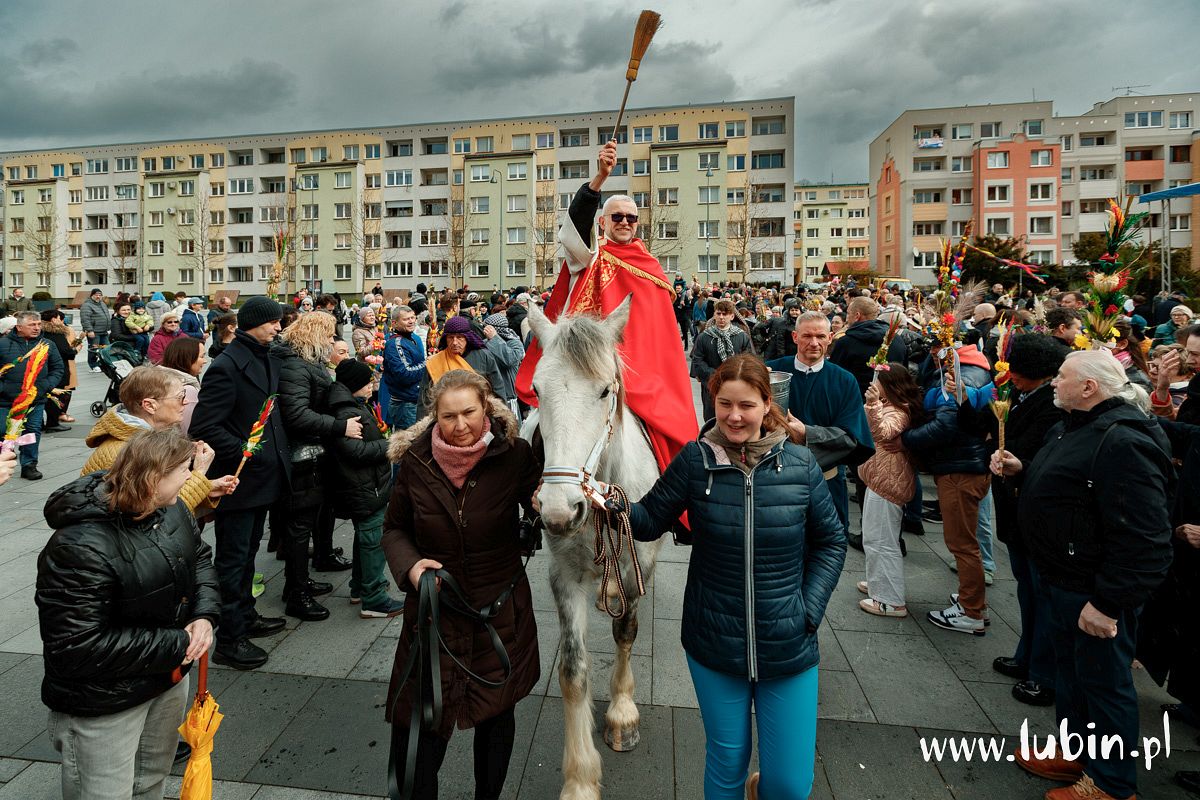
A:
(583, 206)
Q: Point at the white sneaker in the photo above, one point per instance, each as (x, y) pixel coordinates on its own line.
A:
(987, 617)
(955, 618)
(862, 587)
(95, 369)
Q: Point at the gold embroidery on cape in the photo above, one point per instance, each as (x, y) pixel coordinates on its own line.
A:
(599, 275)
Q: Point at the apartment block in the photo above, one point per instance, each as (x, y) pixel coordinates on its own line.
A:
(1019, 170)
(475, 202)
(832, 224)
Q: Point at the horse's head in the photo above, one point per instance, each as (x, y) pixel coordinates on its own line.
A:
(576, 380)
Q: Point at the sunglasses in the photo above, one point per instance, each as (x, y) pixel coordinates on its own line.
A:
(630, 218)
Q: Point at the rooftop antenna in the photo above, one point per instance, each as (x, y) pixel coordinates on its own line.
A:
(1131, 90)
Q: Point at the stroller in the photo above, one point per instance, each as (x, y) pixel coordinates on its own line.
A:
(116, 361)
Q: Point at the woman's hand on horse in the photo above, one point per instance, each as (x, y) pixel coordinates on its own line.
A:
(599, 501)
(534, 501)
(418, 569)
(353, 428)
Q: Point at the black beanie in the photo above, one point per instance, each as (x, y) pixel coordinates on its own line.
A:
(353, 374)
(258, 311)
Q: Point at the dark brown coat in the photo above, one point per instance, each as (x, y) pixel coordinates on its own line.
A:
(483, 554)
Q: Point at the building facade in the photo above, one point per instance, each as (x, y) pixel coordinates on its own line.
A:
(1018, 170)
(832, 226)
(476, 203)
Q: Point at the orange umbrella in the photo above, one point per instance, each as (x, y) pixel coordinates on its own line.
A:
(199, 730)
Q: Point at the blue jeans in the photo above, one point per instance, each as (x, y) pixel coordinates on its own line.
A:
(786, 710)
(1035, 650)
(1095, 685)
(368, 576)
(33, 424)
(983, 532)
(401, 415)
(94, 344)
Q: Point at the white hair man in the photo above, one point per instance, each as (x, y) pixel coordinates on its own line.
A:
(1099, 501)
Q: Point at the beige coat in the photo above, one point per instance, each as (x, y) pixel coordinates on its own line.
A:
(889, 475)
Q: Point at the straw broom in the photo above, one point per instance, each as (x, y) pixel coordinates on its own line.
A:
(647, 25)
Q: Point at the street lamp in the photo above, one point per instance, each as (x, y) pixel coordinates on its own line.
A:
(707, 225)
(495, 173)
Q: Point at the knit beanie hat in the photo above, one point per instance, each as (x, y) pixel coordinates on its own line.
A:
(258, 311)
(353, 374)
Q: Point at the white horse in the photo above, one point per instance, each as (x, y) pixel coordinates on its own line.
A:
(580, 394)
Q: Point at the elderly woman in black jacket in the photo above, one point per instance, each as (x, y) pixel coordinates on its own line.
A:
(304, 381)
(127, 599)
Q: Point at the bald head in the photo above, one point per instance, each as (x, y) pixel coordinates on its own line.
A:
(861, 308)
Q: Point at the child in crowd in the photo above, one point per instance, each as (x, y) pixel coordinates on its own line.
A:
(141, 324)
(364, 478)
(893, 404)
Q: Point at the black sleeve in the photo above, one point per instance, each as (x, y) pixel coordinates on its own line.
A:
(583, 211)
(218, 394)
(301, 406)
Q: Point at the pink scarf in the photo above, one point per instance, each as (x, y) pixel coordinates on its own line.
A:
(457, 462)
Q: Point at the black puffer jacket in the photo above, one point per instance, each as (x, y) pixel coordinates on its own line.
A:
(776, 334)
(767, 552)
(1113, 539)
(113, 596)
(943, 445)
(860, 341)
(360, 467)
(304, 398)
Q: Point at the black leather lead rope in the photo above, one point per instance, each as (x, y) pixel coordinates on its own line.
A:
(425, 667)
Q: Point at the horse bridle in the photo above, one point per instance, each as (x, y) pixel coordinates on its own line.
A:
(612, 526)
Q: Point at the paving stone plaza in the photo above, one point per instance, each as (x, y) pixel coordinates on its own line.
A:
(309, 725)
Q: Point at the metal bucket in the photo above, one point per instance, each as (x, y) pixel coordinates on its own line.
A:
(781, 384)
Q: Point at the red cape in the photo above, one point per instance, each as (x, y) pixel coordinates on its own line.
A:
(657, 387)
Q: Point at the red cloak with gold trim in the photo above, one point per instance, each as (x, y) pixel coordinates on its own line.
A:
(657, 387)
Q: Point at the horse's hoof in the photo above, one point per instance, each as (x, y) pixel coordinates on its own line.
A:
(622, 741)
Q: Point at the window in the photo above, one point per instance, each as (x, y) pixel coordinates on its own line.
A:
(1095, 173)
(812, 252)
(1143, 119)
(480, 173)
(187, 247)
(1093, 206)
(1041, 226)
(1068, 174)
(545, 140)
(768, 126)
(186, 188)
(767, 160)
(1138, 188)
(93, 193)
(668, 230)
(480, 236)
(1041, 158)
(709, 194)
(481, 205)
(668, 133)
(432, 269)
(515, 267)
(187, 216)
(309, 241)
(432, 238)
(216, 189)
(545, 172)
(1068, 208)
(341, 241)
(960, 164)
(484, 144)
(926, 133)
(574, 169)
(520, 141)
(812, 233)
(736, 163)
(573, 138)
(856, 233)
(462, 145)
(518, 171)
(707, 130)
(927, 196)
(999, 226)
(299, 155)
(350, 152)
(1066, 142)
(119, 221)
(926, 259)
(479, 269)
(310, 211)
(708, 263)
(76, 168)
(812, 213)
(958, 228)
(341, 180)
(1041, 191)
(58, 170)
(1032, 127)
(989, 130)
(998, 193)
(640, 199)
(928, 164)
(398, 177)
(710, 161)
(1181, 154)
(1093, 139)
(217, 246)
(668, 197)
(1180, 119)
(774, 194)
(246, 185)
(373, 180)
(518, 202)
(1181, 222)
(341, 211)
(927, 228)
(97, 166)
(643, 135)
(735, 129)
(319, 154)
(515, 236)
(668, 163)
(997, 160)
(397, 269)
(708, 229)
(187, 276)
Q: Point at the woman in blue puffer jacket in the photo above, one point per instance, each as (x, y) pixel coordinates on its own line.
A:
(767, 552)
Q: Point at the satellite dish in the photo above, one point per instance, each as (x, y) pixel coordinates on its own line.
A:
(916, 252)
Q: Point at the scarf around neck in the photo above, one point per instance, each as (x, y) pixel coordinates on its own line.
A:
(724, 343)
(743, 456)
(444, 362)
(457, 462)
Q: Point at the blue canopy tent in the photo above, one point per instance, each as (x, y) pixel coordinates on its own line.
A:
(1165, 197)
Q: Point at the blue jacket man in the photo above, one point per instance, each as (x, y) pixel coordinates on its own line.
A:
(25, 336)
(193, 321)
(403, 368)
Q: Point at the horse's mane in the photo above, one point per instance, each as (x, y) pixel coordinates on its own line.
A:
(584, 344)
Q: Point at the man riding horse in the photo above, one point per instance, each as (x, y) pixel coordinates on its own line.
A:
(658, 390)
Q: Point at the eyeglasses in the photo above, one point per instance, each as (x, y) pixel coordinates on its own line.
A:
(170, 322)
(630, 218)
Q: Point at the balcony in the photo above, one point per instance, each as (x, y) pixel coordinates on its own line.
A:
(1151, 170)
(929, 212)
(1093, 223)
(1097, 190)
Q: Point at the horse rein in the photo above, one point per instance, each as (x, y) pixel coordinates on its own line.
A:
(612, 527)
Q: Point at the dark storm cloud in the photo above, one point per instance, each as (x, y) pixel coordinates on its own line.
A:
(49, 52)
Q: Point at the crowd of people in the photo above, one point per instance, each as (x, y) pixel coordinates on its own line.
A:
(401, 415)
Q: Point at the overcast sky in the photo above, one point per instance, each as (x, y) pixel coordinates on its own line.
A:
(74, 72)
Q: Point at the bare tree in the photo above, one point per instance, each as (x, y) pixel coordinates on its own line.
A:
(364, 229)
(460, 248)
(660, 226)
(541, 248)
(282, 220)
(745, 210)
(194, 224)
(45, 244)
(123, 255)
